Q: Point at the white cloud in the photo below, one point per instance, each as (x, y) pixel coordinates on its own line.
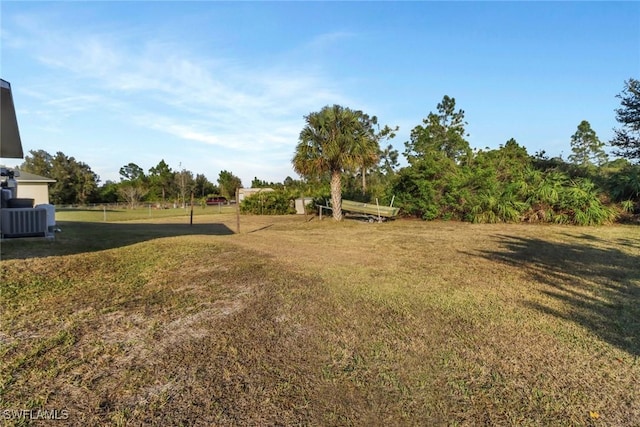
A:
(251, 112)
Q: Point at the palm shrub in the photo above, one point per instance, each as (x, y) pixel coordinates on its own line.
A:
(580, 201)
(277, 202)
(542, 192)
(501, 206)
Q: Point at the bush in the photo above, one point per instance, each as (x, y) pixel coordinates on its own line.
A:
(268, 203)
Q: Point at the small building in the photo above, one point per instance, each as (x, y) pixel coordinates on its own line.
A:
(246, 192)
(32, 186)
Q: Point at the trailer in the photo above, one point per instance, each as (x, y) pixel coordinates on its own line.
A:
(369, 211)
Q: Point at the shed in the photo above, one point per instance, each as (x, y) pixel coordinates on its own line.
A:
(246, 192)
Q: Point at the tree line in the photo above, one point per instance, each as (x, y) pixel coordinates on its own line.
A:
(445, 179)
(77, 184)
(346, 153)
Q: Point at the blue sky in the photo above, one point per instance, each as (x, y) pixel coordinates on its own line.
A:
(208, 86)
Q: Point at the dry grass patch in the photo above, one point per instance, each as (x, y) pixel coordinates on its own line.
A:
(295, 322)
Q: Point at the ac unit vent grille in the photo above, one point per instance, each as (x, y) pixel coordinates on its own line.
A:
(27, 222)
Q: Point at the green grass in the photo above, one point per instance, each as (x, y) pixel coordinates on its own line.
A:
(105, 214)
(157, 322)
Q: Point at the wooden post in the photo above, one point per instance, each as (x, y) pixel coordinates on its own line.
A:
(238, 210)
(304, 206)
(191, 220)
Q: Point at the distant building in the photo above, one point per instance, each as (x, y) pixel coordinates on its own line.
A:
(246, 192)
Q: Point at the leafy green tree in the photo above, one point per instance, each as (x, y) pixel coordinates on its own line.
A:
(442, 132)
(429, 187)
(203, 186)
(624, 185)
(389, 160)
(297, 186)
(75, 182)
(38, 162)
(186, 185)
(260, 183)
(334, 140)
(133, 184)
(438, 157)
(627, 138)
(228, 184)
(131, 172)
(107, 193)
(586, 147)
(373, 136)
(161, 178)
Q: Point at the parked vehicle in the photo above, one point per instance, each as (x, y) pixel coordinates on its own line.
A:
(216, 200)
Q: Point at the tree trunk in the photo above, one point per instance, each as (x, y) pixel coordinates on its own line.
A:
(364, 181)
(336, 194)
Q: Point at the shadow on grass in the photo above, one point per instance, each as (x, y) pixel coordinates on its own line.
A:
(597, 283)
(80, 237)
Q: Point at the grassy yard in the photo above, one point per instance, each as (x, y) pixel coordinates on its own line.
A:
(155, 322)
(104, 214)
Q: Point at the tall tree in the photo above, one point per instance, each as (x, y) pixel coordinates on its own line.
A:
(38, 162)
(389, 160)
(162, 177)
(186, 184)
(442, 132)
(133, 186)
(131, 172)
(203, 186)
(132, 192)
(228, 184)
(627, 138)
(75, 181)
(373, 137)
(334, 140)
(586, 146)
(107, 192)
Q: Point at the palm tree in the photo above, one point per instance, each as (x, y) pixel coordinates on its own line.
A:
(334, 140)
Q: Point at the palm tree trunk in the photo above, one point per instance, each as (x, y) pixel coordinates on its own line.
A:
(336, 194)
(364, 181)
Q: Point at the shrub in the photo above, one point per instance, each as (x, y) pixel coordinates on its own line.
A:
(276, 202)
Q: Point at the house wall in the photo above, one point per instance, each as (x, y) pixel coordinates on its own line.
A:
(39, 191)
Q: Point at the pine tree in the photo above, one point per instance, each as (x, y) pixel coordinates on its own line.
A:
(627, 139)
(586, 146)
